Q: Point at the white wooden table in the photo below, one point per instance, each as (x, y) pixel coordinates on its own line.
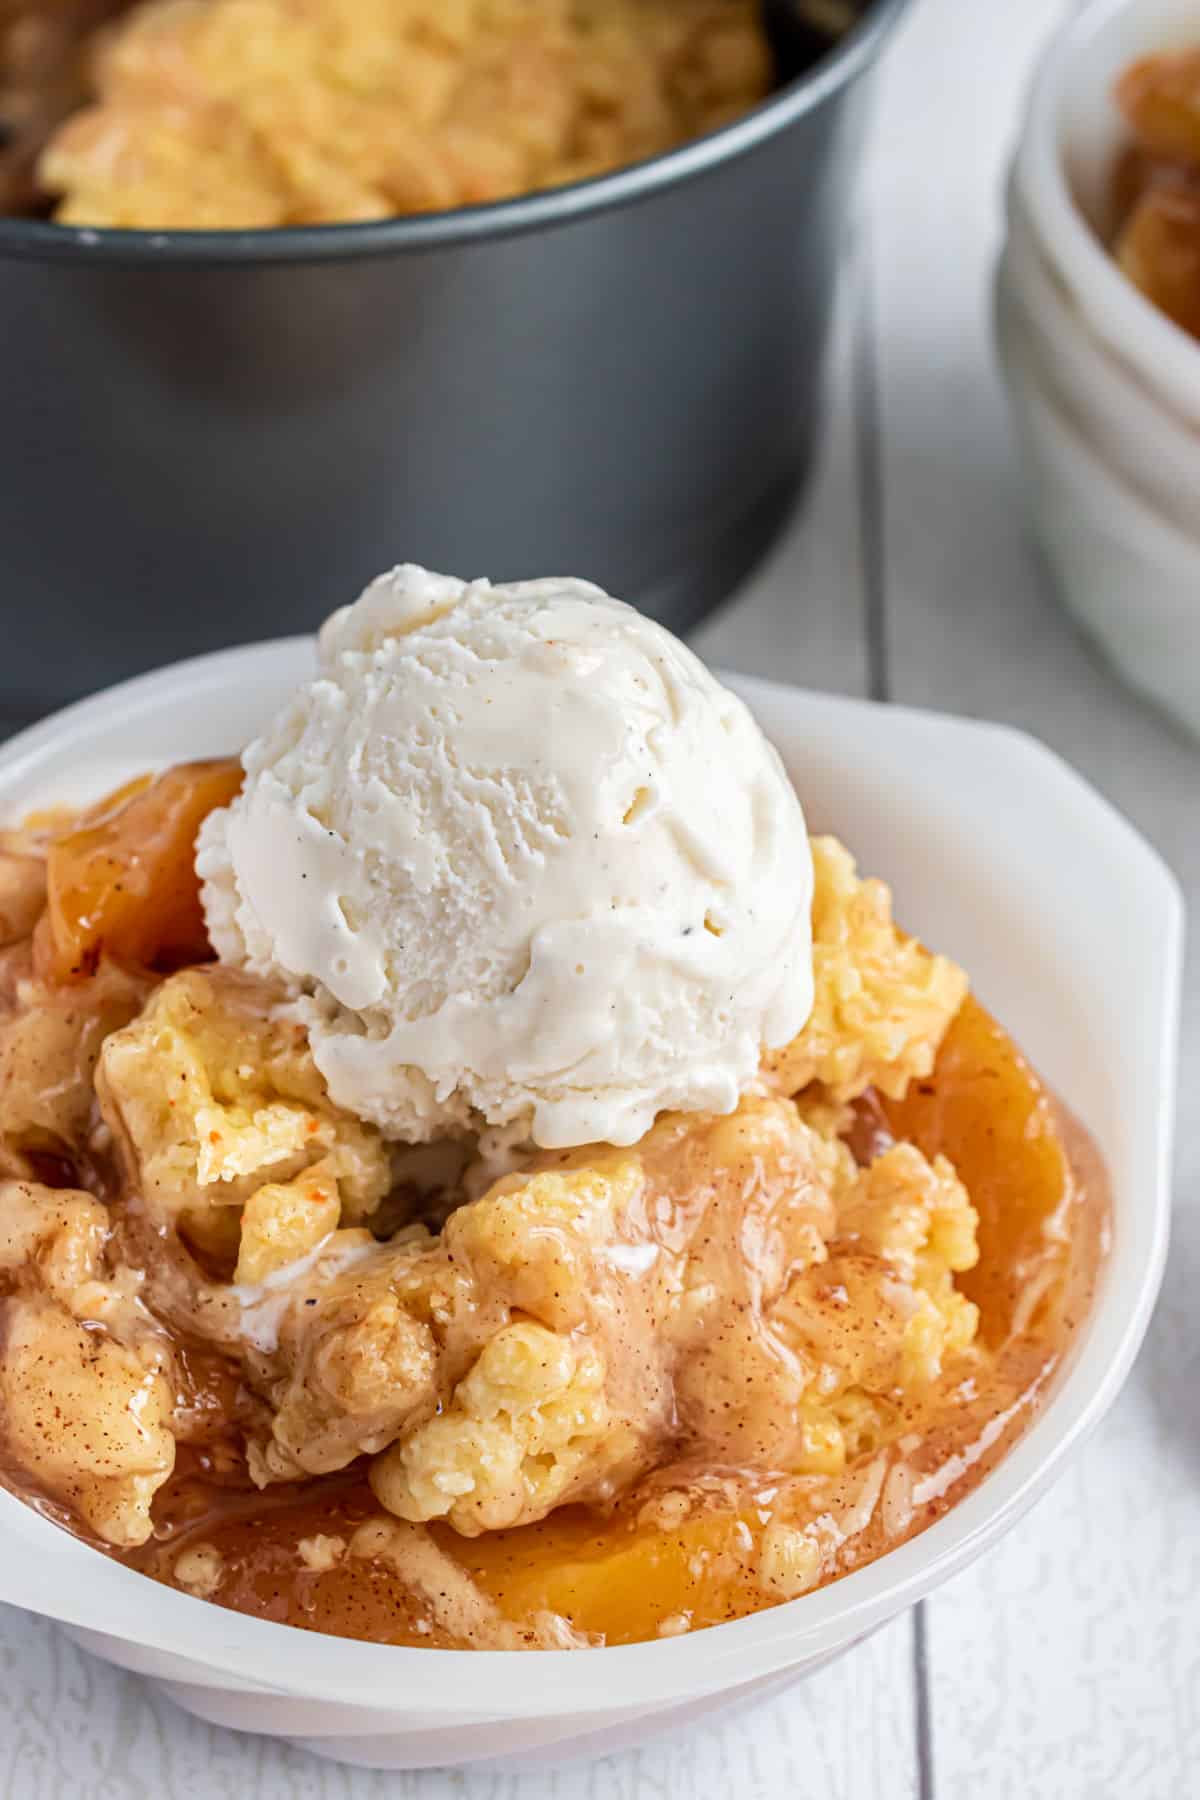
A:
(1065, 1666)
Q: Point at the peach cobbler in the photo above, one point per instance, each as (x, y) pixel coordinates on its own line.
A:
(1156, 190)
(566, 1210)
(212, 114)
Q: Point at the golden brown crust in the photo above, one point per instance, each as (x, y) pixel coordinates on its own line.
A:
(85, 1398)
(882, 1001)
(359, 109)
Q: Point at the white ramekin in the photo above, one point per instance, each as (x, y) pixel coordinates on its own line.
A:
(1153, 451)
(1063, 171)
(1071, 927)
(1105, 388)
(1129, 574)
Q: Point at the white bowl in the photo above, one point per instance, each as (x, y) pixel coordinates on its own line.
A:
(1105, 388)
(1129, 574)
(1071, 927)
(1153, 450)
(1063, 171)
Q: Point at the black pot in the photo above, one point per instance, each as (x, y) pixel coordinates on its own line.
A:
(219, 436)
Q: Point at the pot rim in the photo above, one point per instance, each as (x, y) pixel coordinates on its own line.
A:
(40, 240)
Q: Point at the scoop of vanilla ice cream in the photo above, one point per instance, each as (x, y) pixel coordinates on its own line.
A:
(523, 860)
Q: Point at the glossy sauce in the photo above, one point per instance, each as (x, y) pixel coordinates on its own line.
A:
(1040, 1191)
(134, 848)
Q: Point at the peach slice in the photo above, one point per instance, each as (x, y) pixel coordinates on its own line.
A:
(121, 881)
